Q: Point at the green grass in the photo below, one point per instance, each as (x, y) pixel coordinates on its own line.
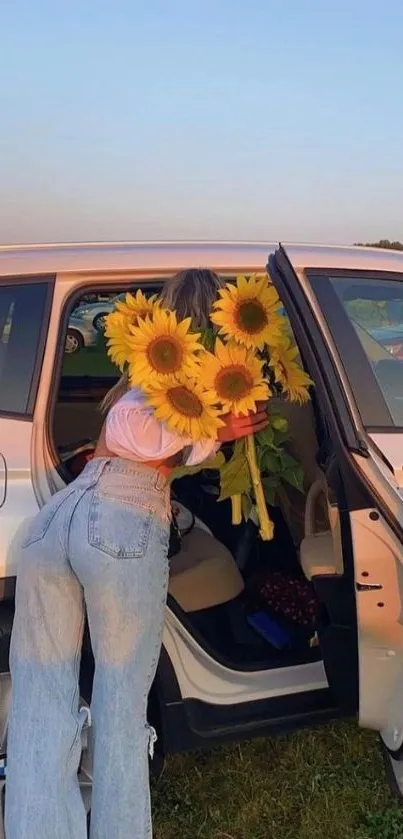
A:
(90, 361)
(323, 784)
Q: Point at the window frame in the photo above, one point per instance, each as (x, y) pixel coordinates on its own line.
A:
(370, 400)
(128, 282)
(15, 281)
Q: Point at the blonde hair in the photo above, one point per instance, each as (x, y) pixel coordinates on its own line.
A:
(115, 393)
(191, 294)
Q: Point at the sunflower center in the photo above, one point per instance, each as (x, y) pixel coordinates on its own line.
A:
(165, 354)
(251, 316)
(185, 402)
(233, 382)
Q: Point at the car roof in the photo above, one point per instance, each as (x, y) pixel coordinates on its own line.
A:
(170, 256)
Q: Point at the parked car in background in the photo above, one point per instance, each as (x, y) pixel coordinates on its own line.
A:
(95, 313)
(79, 334)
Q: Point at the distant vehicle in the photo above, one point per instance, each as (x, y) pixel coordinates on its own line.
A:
(79, 334)
(95, 313)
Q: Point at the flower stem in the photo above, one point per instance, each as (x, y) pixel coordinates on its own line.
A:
(236, 503)
(266, 526)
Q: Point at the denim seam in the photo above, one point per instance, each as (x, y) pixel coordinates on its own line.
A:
(31, 540)
(75, 695)
(129, 500)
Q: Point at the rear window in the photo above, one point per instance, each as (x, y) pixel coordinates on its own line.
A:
(23, 325)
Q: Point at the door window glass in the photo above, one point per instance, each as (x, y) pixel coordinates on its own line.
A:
(365, 314)
(22, 316)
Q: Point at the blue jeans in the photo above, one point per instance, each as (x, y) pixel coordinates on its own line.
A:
(101, 543)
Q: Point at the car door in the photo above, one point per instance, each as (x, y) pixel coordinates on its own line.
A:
(24, 315)
(358, 392)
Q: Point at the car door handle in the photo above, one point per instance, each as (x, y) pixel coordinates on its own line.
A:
(368, 586)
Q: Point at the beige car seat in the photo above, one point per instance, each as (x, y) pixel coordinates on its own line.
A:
(321, 550)
(204, 573)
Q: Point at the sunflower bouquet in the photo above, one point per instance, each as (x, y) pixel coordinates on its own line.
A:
(193, 379)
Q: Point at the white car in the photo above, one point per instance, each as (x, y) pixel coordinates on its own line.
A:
(223, 673)
(80, 334)
(95, 313)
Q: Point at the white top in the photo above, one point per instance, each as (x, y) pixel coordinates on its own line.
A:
(133, 432)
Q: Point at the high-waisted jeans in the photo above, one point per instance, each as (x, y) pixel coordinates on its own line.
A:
(101, 543)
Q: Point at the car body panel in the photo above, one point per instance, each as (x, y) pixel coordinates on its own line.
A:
(230, 687)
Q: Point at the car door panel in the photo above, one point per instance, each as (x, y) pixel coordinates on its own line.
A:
(362, 634)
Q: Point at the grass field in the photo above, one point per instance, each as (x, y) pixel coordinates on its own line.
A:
(323, 784)
(90, 361)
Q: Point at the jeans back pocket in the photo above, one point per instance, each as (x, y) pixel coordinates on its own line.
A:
(119, 529)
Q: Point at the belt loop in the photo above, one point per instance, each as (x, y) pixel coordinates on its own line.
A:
(100, 468)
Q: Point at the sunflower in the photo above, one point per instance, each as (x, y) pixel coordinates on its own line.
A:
(249, 312)
(117, 333)
(162, 346)
(233, 377)
(136, 306)
(288, 373)
(185, 407)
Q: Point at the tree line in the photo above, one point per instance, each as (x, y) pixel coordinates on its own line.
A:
(383, 243)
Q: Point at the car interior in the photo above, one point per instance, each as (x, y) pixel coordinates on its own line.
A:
(252, 605)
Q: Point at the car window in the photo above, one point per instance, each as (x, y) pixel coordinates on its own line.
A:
(87, 372)
(374, 309)
(22, 325)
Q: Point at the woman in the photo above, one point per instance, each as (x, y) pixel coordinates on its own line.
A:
(100, 544)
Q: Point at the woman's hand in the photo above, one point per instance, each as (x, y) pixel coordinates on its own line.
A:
(236, 427)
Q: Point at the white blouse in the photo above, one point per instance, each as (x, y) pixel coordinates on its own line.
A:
(133, 432)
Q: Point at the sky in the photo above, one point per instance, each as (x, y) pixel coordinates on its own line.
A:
(219, 119)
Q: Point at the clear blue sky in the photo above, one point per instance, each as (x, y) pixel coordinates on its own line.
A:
(259, 119)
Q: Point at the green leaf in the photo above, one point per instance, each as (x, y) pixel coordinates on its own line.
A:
(239, 446)
(235, 476)
(214, 463)
(266, 437)
(280, 437)
(279, 423)
(271, 462)
(288, 461)
(208, 339)
(295, 477)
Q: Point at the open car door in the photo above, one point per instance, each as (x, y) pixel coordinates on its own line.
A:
(358, 568)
